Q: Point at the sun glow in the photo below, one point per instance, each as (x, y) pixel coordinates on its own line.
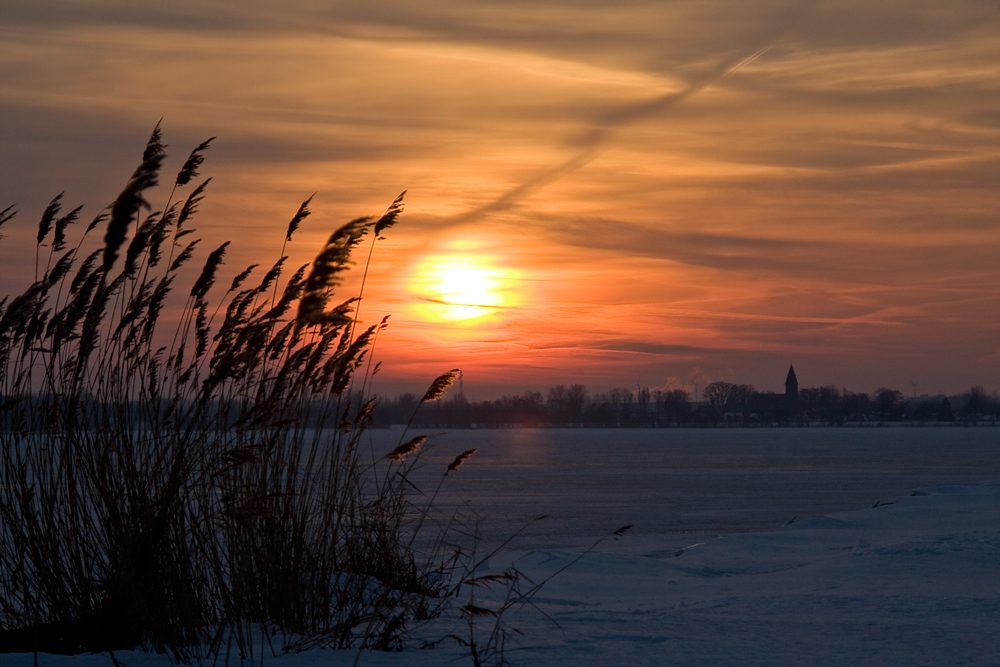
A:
(460, 287)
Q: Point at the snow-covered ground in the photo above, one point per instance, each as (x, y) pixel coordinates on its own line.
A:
(912, 581)
(916, 582)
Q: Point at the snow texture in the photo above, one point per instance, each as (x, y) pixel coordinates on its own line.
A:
(913, 581)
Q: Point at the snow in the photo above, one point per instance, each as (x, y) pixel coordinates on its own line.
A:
(915, 582)
(912, 581)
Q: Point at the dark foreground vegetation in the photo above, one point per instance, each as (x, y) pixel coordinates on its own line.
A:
(195, 483)
(725, 404)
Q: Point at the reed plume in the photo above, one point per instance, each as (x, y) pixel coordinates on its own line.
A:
(325, 274)
(131, 199)
(460, 459)
(59, 236)
(181, 483)
(207, 277)
(193, 163)
(49, 216)
(440, 385)
(6, 215)
(410, 446)
(391, 216)
(300, 215)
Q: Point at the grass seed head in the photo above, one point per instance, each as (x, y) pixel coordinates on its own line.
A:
(391, 216)
(207, 277)
(6, 215)
(303, 213)
(460, 459)
(59, 237)
(48, 216)
(440, 385)
(407, 448)
(131, 199)
(475, 610)
(190, 168)
(325, 274)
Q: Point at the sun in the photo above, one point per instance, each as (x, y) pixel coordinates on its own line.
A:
(461, 287)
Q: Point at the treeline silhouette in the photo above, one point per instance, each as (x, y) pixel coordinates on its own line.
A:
(724, 404)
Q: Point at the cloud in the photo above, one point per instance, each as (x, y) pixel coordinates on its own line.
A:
(643, 34)
(645, 347)
(837, 192)
(855, 261)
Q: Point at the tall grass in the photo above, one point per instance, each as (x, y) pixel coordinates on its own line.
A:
(196, 484)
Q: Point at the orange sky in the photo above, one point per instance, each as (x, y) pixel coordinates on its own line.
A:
(661, 192)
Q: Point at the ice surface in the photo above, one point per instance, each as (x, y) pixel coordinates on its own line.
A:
(912, 581)
(675, 481)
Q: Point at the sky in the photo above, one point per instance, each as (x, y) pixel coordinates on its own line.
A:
(656, 192)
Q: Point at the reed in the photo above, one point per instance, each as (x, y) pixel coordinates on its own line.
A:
(195, 485)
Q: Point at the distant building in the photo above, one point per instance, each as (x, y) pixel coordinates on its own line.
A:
(792, 385)
(771, 407)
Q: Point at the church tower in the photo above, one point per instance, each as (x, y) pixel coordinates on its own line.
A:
(791, 384)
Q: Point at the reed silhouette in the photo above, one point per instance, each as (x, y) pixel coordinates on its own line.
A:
(196, 485)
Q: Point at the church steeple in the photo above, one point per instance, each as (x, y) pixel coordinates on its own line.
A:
(791, 383)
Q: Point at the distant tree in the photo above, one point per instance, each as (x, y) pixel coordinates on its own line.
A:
(600, 413)
(822, 403)
(888, 402)
(565, 404)
(396, 411)
(809, 398)
(741, 398)
(975, 402)
(992, 404)
(923, 411)
(718, 395)
(642, 401)
(830, 402)
(556, 401)
(618, 395)
(856, 406)
(576, 397)
(527, 409)
(945, 413)
(621, 400)
(672, 407)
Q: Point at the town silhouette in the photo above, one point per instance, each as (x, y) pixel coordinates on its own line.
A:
(719, 404)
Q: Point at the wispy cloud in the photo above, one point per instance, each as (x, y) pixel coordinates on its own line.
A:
(716, 185)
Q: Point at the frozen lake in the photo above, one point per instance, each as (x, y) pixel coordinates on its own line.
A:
(707, 577)
(683, 481)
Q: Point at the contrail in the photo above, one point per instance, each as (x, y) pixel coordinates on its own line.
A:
(464, 305)
(594, 140)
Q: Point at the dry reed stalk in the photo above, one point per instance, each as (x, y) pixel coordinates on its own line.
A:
(179, 488)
